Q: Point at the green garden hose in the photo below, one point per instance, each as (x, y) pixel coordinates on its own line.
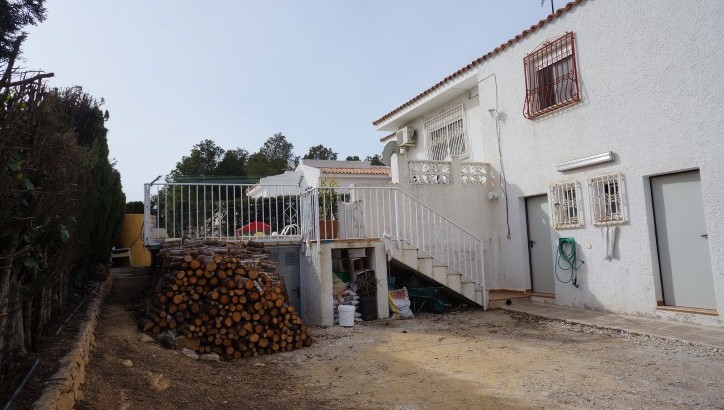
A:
(570, 259)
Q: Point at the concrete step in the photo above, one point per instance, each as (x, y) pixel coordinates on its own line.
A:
(468, 290)
(424, 266)
(409, 257)
(453, 282)
(501, 298)
(479, 296)
(439, 274)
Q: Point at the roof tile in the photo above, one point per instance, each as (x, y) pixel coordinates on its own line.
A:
(477, 61)
(357, 171)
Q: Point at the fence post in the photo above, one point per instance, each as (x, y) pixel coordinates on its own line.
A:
(397, 219)
(482, 276)
(315, 216)
(146, 213)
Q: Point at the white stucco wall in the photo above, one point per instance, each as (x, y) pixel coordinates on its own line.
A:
(650, 77)
(651, 86)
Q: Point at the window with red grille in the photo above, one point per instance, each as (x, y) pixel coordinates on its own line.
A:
(551, 78)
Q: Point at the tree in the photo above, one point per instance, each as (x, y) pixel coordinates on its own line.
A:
(274, 157)
(14, 16)
(352, 158)
(201, 162)
(233, 163)
(62, 205)
(375, 159)
(320, 152)
(278, 151)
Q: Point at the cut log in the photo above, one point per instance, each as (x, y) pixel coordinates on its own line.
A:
(227, 297)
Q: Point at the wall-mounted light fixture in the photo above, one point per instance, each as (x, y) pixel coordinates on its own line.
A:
(585, 161)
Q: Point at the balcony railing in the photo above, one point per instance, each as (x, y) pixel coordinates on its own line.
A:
(220, 211)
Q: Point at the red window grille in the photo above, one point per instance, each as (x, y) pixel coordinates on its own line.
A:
(551, 77)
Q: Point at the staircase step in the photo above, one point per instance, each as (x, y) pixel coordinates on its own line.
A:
(423, 255)
(479, 296)
(500, 298)
(468, 290)
(409, 257)
(435, 262)
(465, 279)
(424, 266)
(439, 274)
(453, 282)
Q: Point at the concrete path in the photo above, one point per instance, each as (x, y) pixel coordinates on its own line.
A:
(696, 334)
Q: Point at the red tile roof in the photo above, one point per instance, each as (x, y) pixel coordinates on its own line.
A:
(476, 62)
(358, 171)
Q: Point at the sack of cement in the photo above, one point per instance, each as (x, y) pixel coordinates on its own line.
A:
(400, 304)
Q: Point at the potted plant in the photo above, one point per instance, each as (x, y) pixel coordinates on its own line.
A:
(327, 199)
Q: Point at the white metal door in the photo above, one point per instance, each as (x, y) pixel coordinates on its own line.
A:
(539, 244)
(681, 236)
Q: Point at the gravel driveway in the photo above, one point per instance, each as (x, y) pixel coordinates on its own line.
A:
(463, 360)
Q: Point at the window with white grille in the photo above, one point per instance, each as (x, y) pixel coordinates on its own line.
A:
(446, 135)
(606, 193)
(565, 205)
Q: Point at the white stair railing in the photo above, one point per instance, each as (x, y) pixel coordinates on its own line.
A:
(388, 212)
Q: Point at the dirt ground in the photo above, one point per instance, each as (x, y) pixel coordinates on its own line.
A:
(465, 360)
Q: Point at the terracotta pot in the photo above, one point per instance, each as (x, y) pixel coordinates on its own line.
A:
(328, 229)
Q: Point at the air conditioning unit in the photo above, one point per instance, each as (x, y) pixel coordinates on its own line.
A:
(406, 137)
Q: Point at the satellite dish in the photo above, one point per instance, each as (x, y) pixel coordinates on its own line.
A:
(390, 148)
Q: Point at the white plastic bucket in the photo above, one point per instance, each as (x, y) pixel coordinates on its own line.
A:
(346, 315)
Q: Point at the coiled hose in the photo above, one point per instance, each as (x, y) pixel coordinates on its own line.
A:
(569, 259)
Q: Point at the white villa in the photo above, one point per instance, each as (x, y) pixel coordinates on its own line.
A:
(602, 123)
(579, 163)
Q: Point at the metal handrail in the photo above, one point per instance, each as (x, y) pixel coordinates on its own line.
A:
(389, 212)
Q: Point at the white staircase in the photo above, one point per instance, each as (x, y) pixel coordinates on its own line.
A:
(427, 266)
(421, 238)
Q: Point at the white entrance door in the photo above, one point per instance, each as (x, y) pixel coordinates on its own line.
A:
(681, 236)
(539, 244)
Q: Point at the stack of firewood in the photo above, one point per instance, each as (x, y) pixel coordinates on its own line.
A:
(224, 298)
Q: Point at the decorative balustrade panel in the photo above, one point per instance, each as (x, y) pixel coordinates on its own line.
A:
(474, 173)
(430, 172)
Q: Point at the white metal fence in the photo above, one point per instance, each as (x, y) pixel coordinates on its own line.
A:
(221, 211)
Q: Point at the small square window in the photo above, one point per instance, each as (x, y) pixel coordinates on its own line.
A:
(607, 205)
(565, 206)
(551, 79)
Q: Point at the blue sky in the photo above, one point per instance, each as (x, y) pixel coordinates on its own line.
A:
(175, 72)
